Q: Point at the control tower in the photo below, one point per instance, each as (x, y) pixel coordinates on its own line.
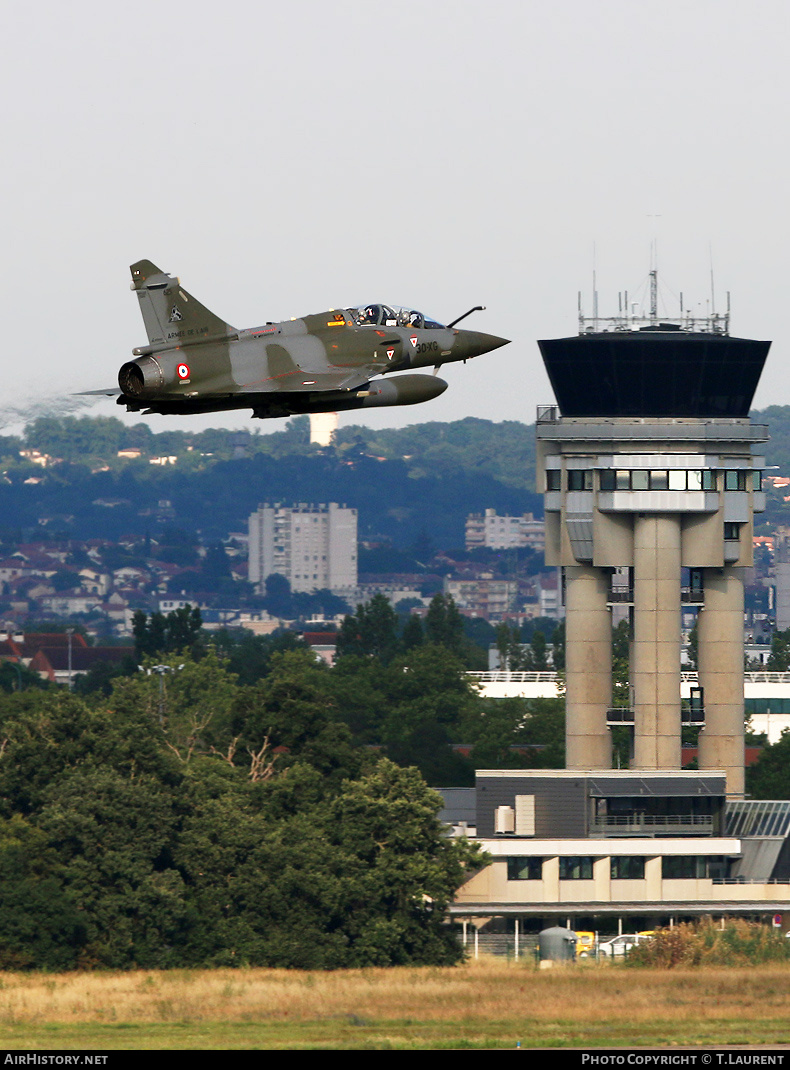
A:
(650, 478)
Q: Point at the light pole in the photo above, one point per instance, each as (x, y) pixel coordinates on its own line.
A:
(70, 633)
(160, 670)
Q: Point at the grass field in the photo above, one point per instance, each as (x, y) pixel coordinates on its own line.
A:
(486, 1005)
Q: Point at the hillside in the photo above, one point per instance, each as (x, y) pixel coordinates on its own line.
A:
(407, 484)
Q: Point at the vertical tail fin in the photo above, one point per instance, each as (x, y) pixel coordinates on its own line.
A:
(171, 315)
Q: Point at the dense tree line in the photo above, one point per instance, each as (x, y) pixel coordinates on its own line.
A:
(400, 685)
(191, 820)
(162, 633)
(181, 813)
(504, 450)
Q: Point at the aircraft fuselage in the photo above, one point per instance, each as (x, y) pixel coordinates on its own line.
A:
(195, 362)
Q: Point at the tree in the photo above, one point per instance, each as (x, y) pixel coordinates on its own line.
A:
(293, 710)
(444, 624)
(516, 656)
(191, 700)
(508, 642)
(517, 733)
(99, 679)
(779, 658)
(693, 646)
(216, 566)
(183, 628)
(769, 777)
(558, 647)
(406, 869)
(49, 734)
(40, 927)
(538, 653)
(412, 635)
(371, 632)
(621, 691)
(157, 634)
(246, 827)
(278, 599)
(112, 835)
(545, 729)
(425, 697)
(16, 677)
(249, 657)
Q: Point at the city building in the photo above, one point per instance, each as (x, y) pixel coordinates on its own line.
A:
(782, 578)
(550, 595)
(313, 546)
(487, 597)
(616, 851)
(504, 532)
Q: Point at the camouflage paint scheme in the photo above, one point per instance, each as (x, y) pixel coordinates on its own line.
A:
(195, 362)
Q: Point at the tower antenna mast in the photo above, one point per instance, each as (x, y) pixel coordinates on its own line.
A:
(712, 288)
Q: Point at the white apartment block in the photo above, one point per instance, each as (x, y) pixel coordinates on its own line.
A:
(484, 597)
(313, 546)
(504, 532)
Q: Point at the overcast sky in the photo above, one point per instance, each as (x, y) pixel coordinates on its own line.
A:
(286, 158)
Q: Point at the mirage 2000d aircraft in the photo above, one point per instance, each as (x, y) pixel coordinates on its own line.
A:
(195, 362)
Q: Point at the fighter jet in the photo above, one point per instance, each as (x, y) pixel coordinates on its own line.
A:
(195, 362)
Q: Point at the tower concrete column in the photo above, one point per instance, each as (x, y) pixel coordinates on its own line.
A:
(588, 663)
(720, 657)
(655, 671)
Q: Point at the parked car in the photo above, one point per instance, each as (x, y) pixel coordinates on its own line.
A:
(620, 945)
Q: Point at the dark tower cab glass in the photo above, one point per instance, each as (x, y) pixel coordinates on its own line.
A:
(655, 371)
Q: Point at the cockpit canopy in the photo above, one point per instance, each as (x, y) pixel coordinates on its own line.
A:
(392, 316)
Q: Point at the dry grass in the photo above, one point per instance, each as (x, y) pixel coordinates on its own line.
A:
(476, 991)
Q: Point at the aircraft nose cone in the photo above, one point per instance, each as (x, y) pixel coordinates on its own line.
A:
(475, 343)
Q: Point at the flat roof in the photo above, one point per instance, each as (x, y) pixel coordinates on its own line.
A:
(507, 845)
(615, 774)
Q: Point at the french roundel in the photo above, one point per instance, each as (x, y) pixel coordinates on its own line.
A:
(182, 371)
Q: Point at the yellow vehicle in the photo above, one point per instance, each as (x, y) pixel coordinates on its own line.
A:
(585, 944)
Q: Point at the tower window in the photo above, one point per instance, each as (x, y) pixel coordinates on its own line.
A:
(580, 480)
